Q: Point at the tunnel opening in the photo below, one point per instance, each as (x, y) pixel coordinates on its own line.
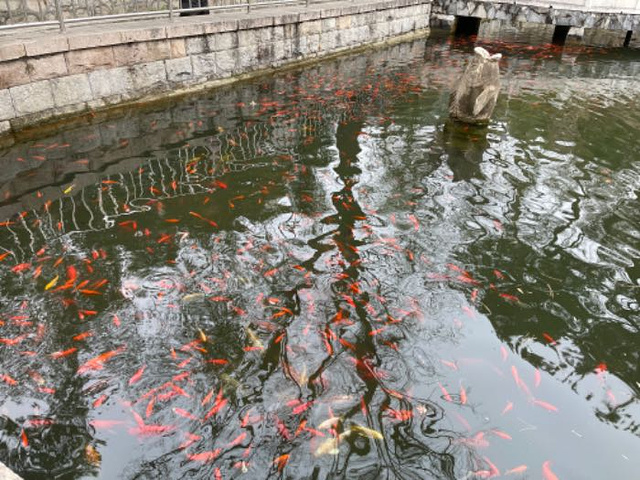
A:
(467, 26)
(560, 34)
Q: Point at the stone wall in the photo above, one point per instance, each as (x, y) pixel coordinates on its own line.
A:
(70, 74)
(578, 13)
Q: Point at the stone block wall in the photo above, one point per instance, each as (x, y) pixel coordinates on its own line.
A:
(67, 75)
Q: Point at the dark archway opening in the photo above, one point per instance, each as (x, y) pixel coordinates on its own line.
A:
(560, 34)
(467, 26)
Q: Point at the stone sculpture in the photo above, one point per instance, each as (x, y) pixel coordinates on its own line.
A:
(477, 91)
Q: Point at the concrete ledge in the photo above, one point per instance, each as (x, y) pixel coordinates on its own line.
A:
(56, 76)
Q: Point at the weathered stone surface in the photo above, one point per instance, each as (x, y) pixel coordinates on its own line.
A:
(313, 43)
(143, 52)
(328, 41)
(178, 48)
(310, 15)
(380, 30)
(196, 45)
(247, 58)
(5, 127)
(71, 90)
(247, 38)
(83, 61)
(101, 39)
(277, 33)
(255, 22)
(222, 41)
(13, 73)
(179, 70)
(331, 12)
(204, 65)
(179, 30)
(148, 76)
(12, 51)
(7, 111)
(328, 24)
(226, 62)
(264, 35)
(106, 83)
(285, 19)
(49, 66)
(54, 44)
(343, 23)
(279, 52)
(143, 34)
(32, 97)
(476, 93)
(221, 26)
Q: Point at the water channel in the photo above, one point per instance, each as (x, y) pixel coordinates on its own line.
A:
(317, 275)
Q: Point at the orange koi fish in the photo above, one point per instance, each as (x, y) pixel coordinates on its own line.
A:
(545, 405)
(209, 221)
(21, 267)
(97, 363)
(546, 471)
(64, 353)
(204, 457)
(137, 376)
(518, 469)
(281, 461)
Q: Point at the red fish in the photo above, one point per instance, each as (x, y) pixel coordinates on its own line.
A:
(97, 363)
(209, 221)
(148, 430)
(184, 413)
(281, 461)
(501, 434)
(9, 380)
(21, 267)
(64, 353)
(545, 405)
(238, 440)
(546, 471)
(205, 457)
(301, 408)
(518, 469)
(104, 424)
(511, 298)
(219, 405)
(445, 394)
(137, 376)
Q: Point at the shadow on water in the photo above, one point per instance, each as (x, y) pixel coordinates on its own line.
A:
(465, 146)
(318, 275)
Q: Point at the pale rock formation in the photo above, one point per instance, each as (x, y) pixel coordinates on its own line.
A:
(476, 93)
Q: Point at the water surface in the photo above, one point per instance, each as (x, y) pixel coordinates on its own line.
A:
(318, 275)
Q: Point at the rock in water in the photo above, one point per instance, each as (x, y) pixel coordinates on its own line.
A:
(477, 91)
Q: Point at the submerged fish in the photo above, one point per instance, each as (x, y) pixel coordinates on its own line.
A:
(192, 297)
(330, 446)
(253, 337)
(367, 432)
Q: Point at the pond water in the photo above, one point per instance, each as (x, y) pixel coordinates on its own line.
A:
(317, 275)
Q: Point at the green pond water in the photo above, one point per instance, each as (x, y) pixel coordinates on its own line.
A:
(317, 275)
